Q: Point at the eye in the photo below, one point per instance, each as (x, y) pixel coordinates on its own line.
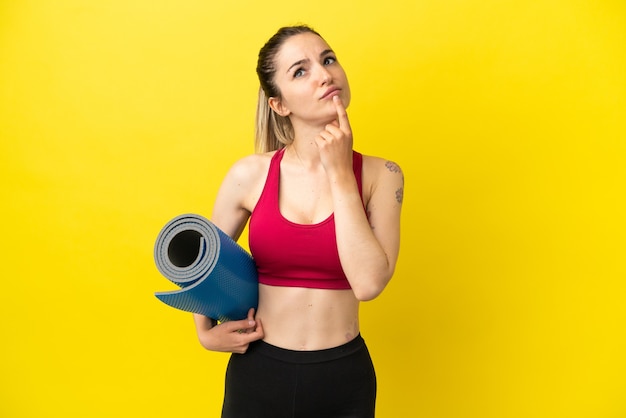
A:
(329, 60)
(298, 73)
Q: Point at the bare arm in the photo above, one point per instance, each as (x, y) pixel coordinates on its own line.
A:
(368, 248)
(230, 213)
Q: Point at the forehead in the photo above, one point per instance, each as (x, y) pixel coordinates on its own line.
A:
(299, 47)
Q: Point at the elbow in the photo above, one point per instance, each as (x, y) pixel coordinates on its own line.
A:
(371, 289)
(207, 341)
(204, 343)
(365, 296)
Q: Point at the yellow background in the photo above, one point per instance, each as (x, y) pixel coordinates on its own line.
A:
(508, 118)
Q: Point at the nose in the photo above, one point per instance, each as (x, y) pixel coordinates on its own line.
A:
(324, 75)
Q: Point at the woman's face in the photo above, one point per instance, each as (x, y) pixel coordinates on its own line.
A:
(308, 75)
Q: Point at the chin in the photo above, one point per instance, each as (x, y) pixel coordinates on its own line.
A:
(345, 100)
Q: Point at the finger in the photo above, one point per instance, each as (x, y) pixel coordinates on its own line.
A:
(259, 329)
(251, 322)
(322, 142)
(252, 335)
(241, 325)
(333, 131)
(342, 115)
(326, 135)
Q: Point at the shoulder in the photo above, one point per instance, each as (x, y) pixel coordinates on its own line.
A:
(382, 176)
(377, 166)
(245, 179)
(250, 168)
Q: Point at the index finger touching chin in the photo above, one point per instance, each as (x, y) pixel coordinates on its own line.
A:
(342, 115)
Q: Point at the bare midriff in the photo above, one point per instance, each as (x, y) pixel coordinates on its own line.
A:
(298, 318)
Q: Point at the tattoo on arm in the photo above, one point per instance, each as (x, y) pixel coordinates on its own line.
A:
(395, 168)
(400, 194)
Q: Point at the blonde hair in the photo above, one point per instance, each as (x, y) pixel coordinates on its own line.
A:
(272, 130)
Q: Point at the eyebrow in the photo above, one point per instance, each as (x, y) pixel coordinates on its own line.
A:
(297, 63)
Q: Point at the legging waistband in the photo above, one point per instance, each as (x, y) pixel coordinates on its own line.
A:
(307, 357)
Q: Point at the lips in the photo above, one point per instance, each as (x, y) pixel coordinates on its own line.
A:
(333, 91)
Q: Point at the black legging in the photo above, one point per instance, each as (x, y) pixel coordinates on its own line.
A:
(271, 382)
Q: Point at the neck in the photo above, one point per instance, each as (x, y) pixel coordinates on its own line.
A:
(303, 153)
(303, 149)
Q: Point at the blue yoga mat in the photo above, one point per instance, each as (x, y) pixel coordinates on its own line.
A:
(217, 276)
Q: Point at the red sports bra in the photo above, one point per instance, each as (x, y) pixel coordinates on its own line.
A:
(291, 254)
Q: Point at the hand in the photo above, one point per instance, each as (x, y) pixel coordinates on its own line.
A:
(232, 336)
(335, 141)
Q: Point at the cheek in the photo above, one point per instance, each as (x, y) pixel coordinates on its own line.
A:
(297, 96)
(346, 96)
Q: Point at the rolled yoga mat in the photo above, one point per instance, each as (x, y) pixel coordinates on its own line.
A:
(218, 278)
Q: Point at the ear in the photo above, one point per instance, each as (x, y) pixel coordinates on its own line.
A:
(277, 106)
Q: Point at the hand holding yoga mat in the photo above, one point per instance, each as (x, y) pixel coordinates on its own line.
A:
(217, 276)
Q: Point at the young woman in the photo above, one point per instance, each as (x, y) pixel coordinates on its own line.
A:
(324, 232)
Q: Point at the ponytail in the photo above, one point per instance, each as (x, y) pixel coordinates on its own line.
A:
(273, 131)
